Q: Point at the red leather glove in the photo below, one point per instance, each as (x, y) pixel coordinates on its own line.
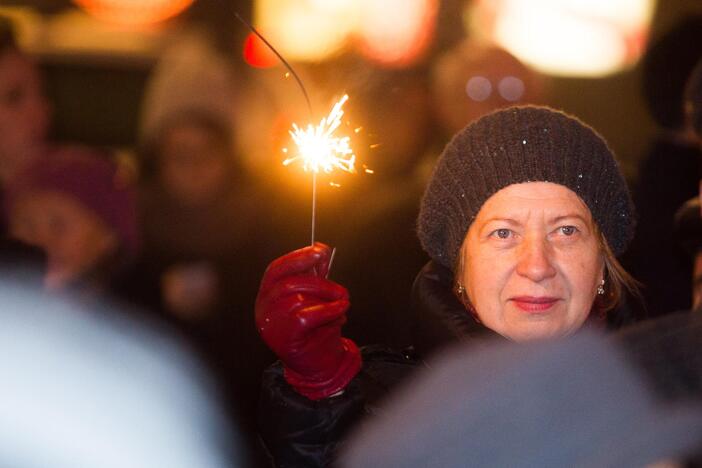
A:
(299, 314)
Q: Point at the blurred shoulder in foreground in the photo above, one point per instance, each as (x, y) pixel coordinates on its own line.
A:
(98, 388)
(572, 402)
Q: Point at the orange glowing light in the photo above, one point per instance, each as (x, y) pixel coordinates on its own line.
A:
(569, 37)
(133, 12)
(396, 32)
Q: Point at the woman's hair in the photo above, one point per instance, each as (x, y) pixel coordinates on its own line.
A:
(617, 280)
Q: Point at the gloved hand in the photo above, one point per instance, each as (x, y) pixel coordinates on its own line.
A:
(299, 314)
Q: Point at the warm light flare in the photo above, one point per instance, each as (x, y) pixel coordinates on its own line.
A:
(393, 33)
(319, 148)
(134, 12)
(567, 37)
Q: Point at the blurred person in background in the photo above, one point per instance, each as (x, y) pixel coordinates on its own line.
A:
(81, 211)
(24, 109)
(669, 173)
(475, 78)
(197, 209)
(688, 222)
(693, 103)
(25, 115)
(199, 215)
(523, 218)
(24, 121)
(688, 233)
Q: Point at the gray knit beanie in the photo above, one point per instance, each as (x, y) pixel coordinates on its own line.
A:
(512, 146)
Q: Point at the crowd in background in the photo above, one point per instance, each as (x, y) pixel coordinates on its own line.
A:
(181, 230)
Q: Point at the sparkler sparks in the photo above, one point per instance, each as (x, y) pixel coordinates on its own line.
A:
(319, 148)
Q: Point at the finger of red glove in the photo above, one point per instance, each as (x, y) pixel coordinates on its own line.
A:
(311, 259)
(326, 314)
(307, 285)
(293, 294)
(298, 314)
(283, 309)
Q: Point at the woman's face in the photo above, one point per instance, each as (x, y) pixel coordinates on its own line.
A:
(74, 239)
(532, 261)
(24, 113)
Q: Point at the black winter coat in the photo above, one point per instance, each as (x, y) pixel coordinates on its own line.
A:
(298, 432)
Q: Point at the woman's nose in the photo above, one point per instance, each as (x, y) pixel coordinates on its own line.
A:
(535, 260)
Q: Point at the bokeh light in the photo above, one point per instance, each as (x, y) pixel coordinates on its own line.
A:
(307, 30)
(257, 54)
(393, 33)
(476, 77)
(567, 37)
(396, 32)
(511, 88)
(134, 12)
(478, 88)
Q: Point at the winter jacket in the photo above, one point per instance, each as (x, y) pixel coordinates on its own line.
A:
(298, 432)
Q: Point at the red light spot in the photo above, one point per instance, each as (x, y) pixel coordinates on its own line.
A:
(257, 54)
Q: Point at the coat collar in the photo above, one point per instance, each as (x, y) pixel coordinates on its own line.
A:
(439, 318)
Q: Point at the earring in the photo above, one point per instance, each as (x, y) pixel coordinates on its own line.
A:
(600, 288)
(460, 290)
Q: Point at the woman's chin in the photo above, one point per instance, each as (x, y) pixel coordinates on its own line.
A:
(533, 330)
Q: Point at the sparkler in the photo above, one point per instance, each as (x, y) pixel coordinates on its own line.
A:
(320, 149)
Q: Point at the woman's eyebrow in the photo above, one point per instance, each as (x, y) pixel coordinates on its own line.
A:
(564, 217)
(510, 221)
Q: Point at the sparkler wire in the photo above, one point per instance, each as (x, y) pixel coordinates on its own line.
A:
(281, 58)
(307, 100)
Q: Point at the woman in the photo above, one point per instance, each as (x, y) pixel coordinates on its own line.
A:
(527, 208)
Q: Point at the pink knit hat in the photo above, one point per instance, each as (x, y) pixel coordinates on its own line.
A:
(90, 177)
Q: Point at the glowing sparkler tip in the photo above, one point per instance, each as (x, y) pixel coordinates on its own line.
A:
(319, 148)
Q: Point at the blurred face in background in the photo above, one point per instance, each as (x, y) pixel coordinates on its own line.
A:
(192, 163)
(532, 262)
(473, 79)
(75, 240)
(24, 113)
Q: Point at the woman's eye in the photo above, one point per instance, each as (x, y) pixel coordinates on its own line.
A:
(568, 230)
(502, 233)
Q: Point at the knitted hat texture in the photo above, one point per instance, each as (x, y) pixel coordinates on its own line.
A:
(517, 145)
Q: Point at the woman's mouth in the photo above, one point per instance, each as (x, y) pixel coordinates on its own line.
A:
(534, 304)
